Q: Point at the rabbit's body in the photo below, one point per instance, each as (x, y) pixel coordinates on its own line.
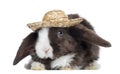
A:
(57, 47)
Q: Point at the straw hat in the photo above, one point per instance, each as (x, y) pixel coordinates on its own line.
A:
(54, 18)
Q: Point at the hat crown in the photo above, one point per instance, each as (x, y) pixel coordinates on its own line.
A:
(56, 16)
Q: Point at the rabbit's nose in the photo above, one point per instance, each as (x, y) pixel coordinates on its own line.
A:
(46, 50)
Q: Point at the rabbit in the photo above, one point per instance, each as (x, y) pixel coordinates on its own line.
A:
(56, 48)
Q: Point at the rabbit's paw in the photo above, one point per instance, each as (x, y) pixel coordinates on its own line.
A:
(93, 66)
(37, 66)
(66, 68)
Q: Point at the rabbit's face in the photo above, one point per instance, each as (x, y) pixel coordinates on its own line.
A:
(54, 42)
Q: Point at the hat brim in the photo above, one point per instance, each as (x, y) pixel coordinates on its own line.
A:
(40, 24)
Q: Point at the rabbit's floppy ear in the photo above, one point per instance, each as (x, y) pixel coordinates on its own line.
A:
(27, 45)
(90, 36)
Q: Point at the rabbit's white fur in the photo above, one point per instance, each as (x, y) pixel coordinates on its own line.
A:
(62, 61)
(43, 44)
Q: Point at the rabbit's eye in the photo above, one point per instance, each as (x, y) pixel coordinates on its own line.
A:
(60, 34)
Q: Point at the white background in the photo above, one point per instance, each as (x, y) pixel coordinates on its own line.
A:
(104, 15)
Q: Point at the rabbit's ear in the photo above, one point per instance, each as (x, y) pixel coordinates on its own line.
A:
(25, 47)
(89, 36)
